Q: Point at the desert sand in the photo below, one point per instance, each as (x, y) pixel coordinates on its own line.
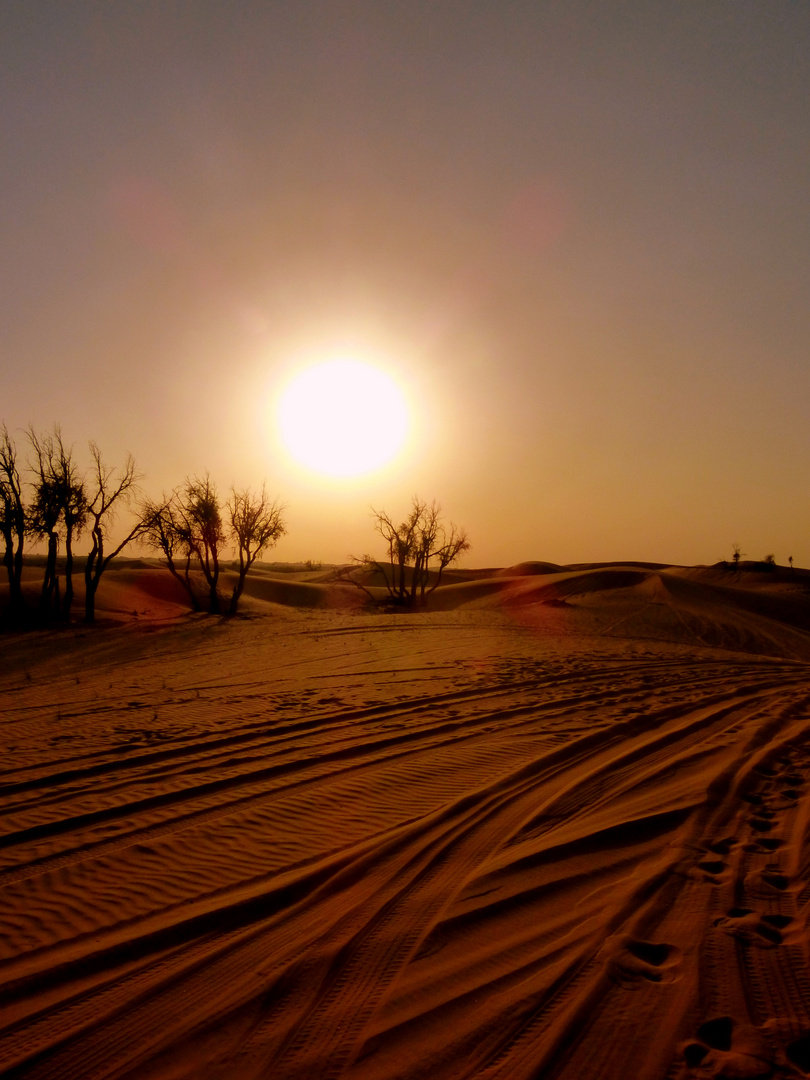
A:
(555, 826)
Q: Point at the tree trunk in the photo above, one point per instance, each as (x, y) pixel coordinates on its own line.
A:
(237, 592)
(67, 601)
(91, 585)
(10, 561)
(185, 581)
(215, 606)
(50, 583)
(15, 581)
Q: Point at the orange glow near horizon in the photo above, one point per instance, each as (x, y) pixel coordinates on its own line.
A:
(342, 418)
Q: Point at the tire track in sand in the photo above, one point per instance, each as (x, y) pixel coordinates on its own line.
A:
(310, 959)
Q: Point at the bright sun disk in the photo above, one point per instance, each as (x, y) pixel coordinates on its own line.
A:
(342, 418)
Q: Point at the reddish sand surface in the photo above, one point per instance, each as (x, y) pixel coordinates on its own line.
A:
(555, 826)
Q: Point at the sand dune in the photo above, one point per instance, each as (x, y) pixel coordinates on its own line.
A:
(554, 827)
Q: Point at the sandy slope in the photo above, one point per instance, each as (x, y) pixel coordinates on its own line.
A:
(554, 828)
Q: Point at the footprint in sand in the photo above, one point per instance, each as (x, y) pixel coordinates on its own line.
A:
(763, 845)
(712, 866)
(793, 780)
(751, 928)
(761, 823)
(724, 846)
(753, 798)
(633, 962)
(798, 1053)
(765, 882)
(765, 770)
(724, 1048)
(715, 869)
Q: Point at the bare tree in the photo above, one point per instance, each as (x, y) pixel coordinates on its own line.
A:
(435, 541)
(201, 530)
(162, 529)
(43, 522)
(111, 490)
(74, 513)
(12, 520)
(402, 542)
(187, 526)
(256, 524)
(738, 554)
(59, 506)
(454, 543)
(411, 546)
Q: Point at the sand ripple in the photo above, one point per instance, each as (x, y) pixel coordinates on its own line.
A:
(464, 846)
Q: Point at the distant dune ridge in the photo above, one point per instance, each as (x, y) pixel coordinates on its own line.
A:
(552, 825)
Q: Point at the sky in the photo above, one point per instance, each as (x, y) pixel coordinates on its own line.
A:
(575, 233)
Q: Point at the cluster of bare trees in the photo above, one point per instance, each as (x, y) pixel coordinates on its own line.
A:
(63, 503)
(191, 528)
(51, 499)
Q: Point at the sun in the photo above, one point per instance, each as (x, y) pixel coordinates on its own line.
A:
(342, 418)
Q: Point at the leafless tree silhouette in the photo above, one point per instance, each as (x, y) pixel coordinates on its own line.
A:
(109, 490)
(189, 526)
(59, 505)
(411, 546)
(12, 521)
(738, 554)
(74, 514)
(162, 529)
(43, 521)
(202, 530)
(256, 524)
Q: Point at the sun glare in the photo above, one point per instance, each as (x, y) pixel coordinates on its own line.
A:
(343, 418)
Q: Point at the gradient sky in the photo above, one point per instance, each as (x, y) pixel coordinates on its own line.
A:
(576, 232)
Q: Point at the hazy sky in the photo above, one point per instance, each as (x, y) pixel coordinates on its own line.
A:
(577, 233)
